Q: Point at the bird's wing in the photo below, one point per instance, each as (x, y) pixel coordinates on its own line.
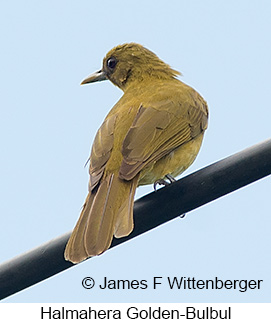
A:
(101, 150)
(158, 130)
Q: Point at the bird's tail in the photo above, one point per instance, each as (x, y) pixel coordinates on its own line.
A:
(108, 211)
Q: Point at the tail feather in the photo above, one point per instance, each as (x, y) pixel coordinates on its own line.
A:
(124, 221)
(75, 250)
(100, 224)
(108, 211)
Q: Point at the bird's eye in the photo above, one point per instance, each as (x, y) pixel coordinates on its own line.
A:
(111, 62)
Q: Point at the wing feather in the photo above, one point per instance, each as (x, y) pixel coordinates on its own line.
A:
(101, 150)
(157, 131)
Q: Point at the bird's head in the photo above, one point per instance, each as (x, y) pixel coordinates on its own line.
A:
(131, 63)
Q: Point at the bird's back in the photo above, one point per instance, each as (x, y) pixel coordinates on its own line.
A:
(152, 122)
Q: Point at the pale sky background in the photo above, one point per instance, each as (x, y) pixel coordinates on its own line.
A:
(48, 123)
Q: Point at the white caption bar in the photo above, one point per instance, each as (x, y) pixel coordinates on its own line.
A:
(135, 312)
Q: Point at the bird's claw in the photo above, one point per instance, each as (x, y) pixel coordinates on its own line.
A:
(170, 178)
(162, 181)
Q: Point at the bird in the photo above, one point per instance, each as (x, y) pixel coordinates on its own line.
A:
(151, 135)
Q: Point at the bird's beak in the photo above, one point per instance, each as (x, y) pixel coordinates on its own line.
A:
(95, 77)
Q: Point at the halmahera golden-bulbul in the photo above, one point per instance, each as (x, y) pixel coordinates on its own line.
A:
(153, 131)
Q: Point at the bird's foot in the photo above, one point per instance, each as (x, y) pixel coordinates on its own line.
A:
(162, 181)
(170, 178)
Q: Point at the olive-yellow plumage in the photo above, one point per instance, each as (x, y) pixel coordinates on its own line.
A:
(154, 130)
